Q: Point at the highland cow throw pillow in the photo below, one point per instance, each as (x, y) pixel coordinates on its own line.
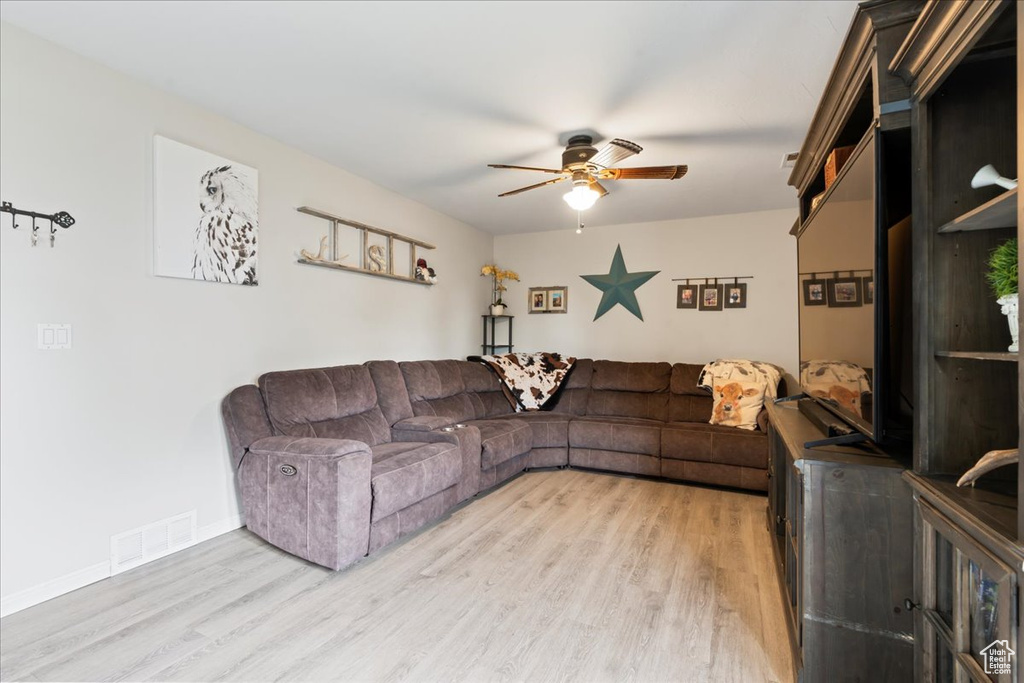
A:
(737, 403)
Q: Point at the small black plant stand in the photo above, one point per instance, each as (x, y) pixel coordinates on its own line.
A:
(490, 349)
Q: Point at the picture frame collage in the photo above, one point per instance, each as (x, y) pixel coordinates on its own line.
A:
(839, 292)
(548, 300)
(712, 295)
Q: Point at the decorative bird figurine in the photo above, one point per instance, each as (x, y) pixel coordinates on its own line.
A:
(225, 241)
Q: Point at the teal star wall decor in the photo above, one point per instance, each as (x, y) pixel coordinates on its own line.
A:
(619, 286)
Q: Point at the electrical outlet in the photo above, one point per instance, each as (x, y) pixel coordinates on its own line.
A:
(54, 336)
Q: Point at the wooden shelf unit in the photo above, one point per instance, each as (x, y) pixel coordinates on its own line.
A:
(962, 64)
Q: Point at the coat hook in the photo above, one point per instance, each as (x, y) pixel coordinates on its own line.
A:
(53, 234)
(35, 232)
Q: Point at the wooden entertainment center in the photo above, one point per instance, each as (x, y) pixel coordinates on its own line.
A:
(940, 81)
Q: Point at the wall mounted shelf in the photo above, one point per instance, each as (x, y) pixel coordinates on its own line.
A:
(980, 355)
(387, 270)
(993, 214)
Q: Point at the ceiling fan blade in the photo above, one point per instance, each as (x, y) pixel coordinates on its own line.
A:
(525, 168)
(643, 173)
(614, 152)
(597, 187)
(532, 187)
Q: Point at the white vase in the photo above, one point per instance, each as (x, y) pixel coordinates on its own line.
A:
(499, 309)
(1009, 304)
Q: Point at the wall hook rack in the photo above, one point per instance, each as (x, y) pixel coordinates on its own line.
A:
(61, 218)
(707, 280)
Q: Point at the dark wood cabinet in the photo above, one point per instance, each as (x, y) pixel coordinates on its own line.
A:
(840, 519)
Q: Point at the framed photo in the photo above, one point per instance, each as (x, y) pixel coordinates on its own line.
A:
(844, 292)
(735, 295)
(538, 300)
(814, 292)
(868, 285)
(548, 300)
(558, 300)
(686, 296)
(711, 297)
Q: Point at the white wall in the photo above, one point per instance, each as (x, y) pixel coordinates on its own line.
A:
(124, 429)
(755, 244)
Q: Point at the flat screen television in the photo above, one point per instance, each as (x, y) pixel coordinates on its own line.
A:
(855, 266)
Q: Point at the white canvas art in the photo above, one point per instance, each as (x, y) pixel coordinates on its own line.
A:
(206, 219)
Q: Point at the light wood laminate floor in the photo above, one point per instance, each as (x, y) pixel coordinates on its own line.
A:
(558, 575)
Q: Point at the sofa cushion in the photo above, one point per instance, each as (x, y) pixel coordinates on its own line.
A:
(432, 379)
(690, 407)
(611, 375)
(684, 380)
(550, 430)
(623, 435)
(392, 396)
(502, 440)
(454, 388)
(712, 443)
(572, 398)
(334, 403)
(406, 473)
(484, 390)
(635, 390)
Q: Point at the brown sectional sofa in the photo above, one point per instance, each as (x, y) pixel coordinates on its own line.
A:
(334, 463)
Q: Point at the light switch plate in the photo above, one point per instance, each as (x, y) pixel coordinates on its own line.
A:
(54, 336)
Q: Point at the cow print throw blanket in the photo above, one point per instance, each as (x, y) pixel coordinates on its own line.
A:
(529, 379)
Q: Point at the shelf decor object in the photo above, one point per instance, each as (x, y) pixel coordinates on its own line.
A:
(374, 259)
(498, 277)
(1002, 277)
(61, 218)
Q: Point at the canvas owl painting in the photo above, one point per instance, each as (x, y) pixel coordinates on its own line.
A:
(206, 215)
(225, 240)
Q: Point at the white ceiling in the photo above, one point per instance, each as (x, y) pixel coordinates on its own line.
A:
(420, 96)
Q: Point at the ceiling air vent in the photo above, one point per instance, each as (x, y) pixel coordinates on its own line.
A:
(151, 542)
(789, 159)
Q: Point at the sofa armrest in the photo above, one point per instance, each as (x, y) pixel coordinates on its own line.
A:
(307, 446)
(309, 496)
(763, 420)
(425, 423)
(468, 440)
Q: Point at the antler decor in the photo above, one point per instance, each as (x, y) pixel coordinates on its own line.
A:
(319, 256)
(987, 463)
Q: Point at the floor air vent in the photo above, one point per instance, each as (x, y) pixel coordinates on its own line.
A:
(153, 541)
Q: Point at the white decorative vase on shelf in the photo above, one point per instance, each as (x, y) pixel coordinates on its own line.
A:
(1009, 304)
(499, 309)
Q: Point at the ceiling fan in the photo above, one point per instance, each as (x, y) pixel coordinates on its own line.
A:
(584, 165)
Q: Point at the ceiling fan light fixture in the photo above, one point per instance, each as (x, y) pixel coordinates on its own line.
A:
(581, 197)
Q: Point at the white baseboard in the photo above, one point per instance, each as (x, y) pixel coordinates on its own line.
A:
(205, 533)
(53, 588)
(97, 572)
